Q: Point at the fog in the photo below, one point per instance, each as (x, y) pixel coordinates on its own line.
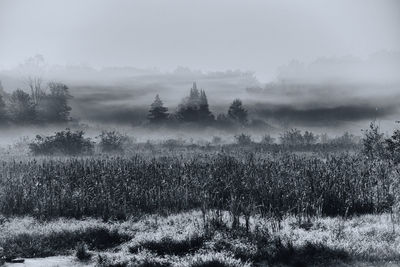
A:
(320, 65)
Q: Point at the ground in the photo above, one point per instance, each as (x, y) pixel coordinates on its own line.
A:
(183, 240)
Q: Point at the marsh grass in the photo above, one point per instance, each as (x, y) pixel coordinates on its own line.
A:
(169, 246)
(243, 183)
(29, 238)
(182, 240)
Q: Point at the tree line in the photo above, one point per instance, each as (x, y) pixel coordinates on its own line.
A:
(40, 106)
(195, 109)
(51, 105)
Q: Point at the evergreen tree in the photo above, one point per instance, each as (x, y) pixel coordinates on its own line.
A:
(205, 114)
(195, 107)
(237, 112)
(157, 113)
(194, 96)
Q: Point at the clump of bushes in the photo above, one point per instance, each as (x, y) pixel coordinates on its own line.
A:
(243, 139)
(112, 141)
(267, 140)
(65, 142)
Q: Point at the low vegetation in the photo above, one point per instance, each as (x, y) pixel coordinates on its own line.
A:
(64, 142)
(184, 240)
(212, 205)
(27, 237)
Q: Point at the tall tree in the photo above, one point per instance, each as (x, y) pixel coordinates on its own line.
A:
(21, 108)
(157, 113)
(54, 107)
(205, 114)
(194, 96)
(237, 112)
(35, 84)
(195, 107)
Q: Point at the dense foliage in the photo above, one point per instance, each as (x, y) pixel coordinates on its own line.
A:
(64, 142)
(112, 141)
(37, 107)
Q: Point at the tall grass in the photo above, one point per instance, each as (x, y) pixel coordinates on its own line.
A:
(244, 184)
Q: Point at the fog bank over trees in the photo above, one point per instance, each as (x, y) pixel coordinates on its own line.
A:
(328, 92)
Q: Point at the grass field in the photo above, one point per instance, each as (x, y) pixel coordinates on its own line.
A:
(202, 205)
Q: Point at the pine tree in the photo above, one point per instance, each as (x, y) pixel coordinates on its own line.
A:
(195, 107)
(157, 113)
(237, 112)
(194, 96)
(204, 111)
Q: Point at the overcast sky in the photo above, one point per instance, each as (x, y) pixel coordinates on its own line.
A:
(209, 35)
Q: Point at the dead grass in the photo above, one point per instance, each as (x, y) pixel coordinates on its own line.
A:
(182, 240)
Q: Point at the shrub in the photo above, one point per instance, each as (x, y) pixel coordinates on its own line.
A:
(267, 140)
(345, 140)
(393, 146)
(292, 137)
(373, 142)
(309, 138)
(112, 141)
(64, 142)
(243, 139)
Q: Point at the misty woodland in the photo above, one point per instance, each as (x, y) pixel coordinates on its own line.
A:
(39, 107)
(199, 133)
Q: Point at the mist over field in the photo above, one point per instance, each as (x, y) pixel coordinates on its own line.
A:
(330, 71)
(327, 95)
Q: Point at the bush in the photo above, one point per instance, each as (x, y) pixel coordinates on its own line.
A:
(346, 140)
(243, 139)
(373, 142)
(292, 137)
(267, 140)
(112, 141)
(216, 140)
(63, 143)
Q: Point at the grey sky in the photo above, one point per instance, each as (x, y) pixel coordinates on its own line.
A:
(209, 35)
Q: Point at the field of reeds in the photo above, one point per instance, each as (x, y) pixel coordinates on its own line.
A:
(272, 186)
